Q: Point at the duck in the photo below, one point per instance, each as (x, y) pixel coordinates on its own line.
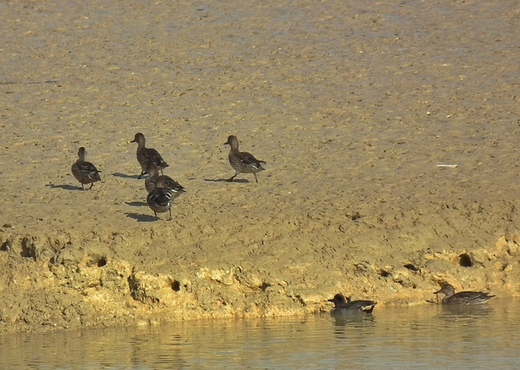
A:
(167, 182)
(147, 156)
(85, 172)
(160, 200)
(345, 305)
(242, 162)
(463, 298)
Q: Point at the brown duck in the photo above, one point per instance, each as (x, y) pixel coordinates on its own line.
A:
(344, 305)
(85, 172)
(463, 298)
(147, 156)
(160, 199)
(242, 162)
(151, 182)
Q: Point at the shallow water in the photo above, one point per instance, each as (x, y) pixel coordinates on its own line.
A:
(418, 337)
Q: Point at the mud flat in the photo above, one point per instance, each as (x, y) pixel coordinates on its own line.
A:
(353, 108)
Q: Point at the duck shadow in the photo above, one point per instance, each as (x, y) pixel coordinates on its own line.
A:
(125, 176)
(466, 310)
(139, 217)
(65, 187)
(136, 204)
(241, 181)
(354, 317)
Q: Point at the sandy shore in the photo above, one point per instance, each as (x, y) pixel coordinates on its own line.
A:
(353, 107)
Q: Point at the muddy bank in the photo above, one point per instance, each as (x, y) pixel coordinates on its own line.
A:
(353, 108)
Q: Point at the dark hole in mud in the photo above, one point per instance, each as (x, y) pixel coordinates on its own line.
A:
(465, 260)
(384, 273)
(101, 262)
(6, 246)
(176, 286)
(264, 286)
(411, 267)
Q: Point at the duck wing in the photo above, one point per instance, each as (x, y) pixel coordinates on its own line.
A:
(150, 156)
(86, 170)
(365, 306)
(247, 159)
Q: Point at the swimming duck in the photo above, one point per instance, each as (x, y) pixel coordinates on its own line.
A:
(85, 172)
(344, 305)
(242, 162)
(147, 156)
(167, 182)
(463, 298)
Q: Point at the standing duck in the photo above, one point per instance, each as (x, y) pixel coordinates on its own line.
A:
(344, 305)
(151, 182)
(160, 199)
(463, 298)
(147, 156)
(242, 162)
(85, 172)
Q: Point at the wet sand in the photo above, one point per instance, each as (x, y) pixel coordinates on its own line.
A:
(353, 107)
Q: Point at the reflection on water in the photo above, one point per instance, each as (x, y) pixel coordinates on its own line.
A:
(428, 337)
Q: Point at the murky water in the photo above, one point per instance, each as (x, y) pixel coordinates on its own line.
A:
(418, 337)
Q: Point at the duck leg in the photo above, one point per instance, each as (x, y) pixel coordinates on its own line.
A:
(232, 177)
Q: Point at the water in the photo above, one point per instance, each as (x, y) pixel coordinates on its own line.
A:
(392, 338)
